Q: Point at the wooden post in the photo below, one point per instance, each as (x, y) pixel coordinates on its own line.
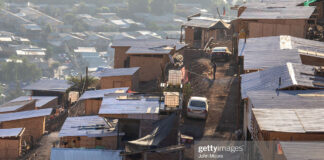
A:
(145, 155)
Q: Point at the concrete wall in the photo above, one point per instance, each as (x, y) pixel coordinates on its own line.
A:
(10, 148)
(34, 127)
(109, 142)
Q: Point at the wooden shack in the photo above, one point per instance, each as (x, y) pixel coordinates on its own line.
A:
(271, 125)
(119, 77)
(151, 56)
(89, 132)
(136, 113)
(17, 106)
(48, 87)
(10, 143)
(33, 121)
(200, 30)
(311, 57)
(41, 101)
(92, 99)
(261, 19)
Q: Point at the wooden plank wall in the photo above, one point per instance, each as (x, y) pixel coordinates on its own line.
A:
(10, 148)
(263, 28)
(34, 127)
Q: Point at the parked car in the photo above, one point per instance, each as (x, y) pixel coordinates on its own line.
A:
(220, 54)
(197, 107)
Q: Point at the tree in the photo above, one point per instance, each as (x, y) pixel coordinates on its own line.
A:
(138, 6)
(21, 72)
(80, 82)
(159, 7)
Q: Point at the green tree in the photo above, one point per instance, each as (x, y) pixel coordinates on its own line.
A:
(159, 7)
(79, 83)
(21, 72)
(138, 6)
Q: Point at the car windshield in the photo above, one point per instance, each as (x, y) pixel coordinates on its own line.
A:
(200, 104)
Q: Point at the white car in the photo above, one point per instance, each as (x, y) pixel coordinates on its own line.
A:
(197, 107)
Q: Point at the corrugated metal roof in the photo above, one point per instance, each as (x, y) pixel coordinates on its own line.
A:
(12, 132)
(265, 52)
(49, 85)
(302, 150)
(290, 120)
(272, 3)
(132, 104)
(151, 46)
(117, 72)
(291, 74)
(291, 12)
(13, 106)
(207, 23)
(299, 99)
(40, 100)
(25, 114)
(84, 154)
(101, 93)
(90, 126)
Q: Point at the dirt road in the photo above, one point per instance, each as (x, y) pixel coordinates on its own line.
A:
(43, 152)
(223, 95)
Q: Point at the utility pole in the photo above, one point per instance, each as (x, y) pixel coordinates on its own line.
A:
(86, 79)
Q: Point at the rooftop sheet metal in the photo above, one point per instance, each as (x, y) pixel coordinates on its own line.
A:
(12, 132)
(84, 154)
(272, 3)
(302, 150)
(207, 23)
(40, 100)
(25, 114)
(117, 72)
(299, 99)
(138, 105)
(90, 126)
(265, 52)
(289, 75)
(151, 46)
(101, 93)
(291, 12)
(13, 106)
(49, 85)
(290, 120)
